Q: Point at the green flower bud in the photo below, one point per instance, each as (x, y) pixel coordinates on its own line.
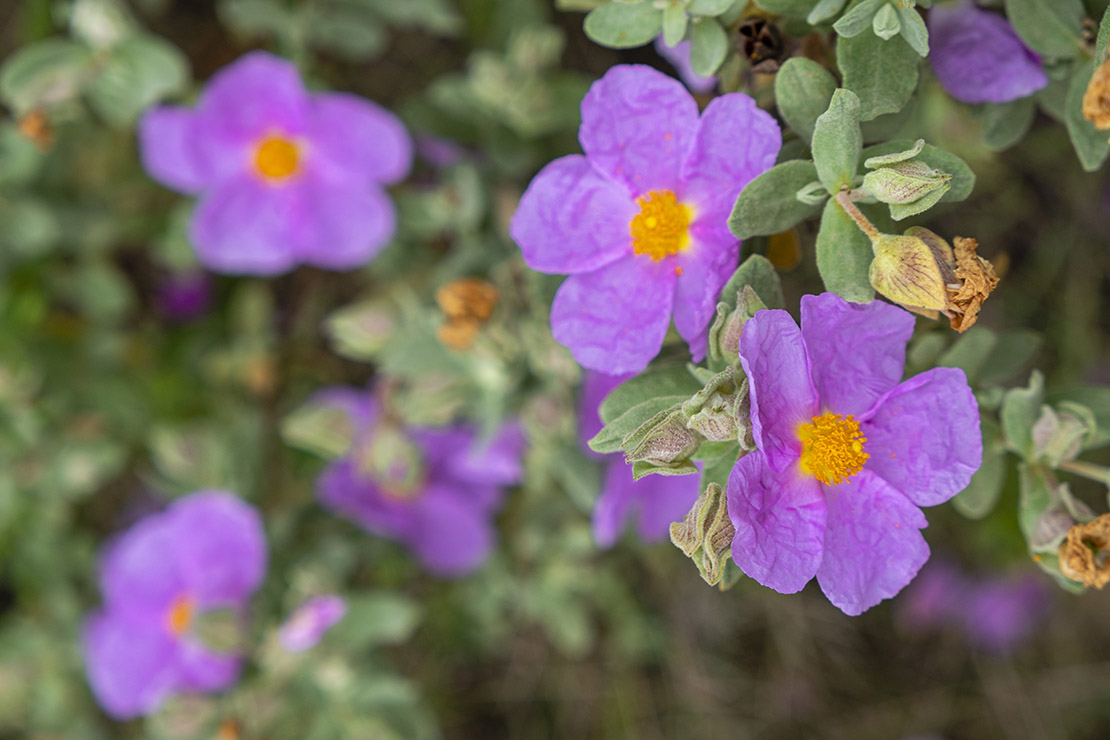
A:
(319, 428)
(724, 334)
(907, 182)
(392, 460)
(905, 271)
(361, 330)
(663, 439)
(1059, 436)
(705, 535)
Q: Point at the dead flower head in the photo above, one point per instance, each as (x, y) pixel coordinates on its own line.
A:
(1085, 554)
(467, 303)
(1096, 101)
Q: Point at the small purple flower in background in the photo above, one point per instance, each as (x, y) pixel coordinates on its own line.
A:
(310, 621)
(640, 223)
(284, 176)
(978, 57)
(845, 453)
(434, 490)
(679, 58)
(185, 296)
(654, 502)
(438, 151)
(205, 552)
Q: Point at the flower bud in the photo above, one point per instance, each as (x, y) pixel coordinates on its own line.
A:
(392, 460)
(724, 334)
(705, 534)
(1059, 437)
(907, 182)
(905, 271)
(321, 428)
(663, 439)
(361, 330)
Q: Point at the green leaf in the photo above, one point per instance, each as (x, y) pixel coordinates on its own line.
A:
(796, 8)
(970, 352)
(352, 33)
(1091, 145)
(823, 11)
(837, 142)
(718, 470)
(803, 89)
(768, 204)
(1050, 27)
(1006, 124)
(882, 73)
(674, 380)
(610, 438)
(914, 30)
(621, 25)
(1021, 407)
(44, 73)
(642, 468)
(262, 18)
(708, 47)
(963, 179)
(372, 619)
(674, 24)
(843, 255)
(858, 18)
(138, 72)
(886, 24)
(1014, 349)
(1095, 398)
(708, 7)
(1102, 42)
(758, 272)
(985, 488)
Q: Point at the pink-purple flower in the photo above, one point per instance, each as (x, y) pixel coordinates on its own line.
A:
(978, 57)
(845, 452)
(640, 222)
(284, 176)
(435, 490)
(310, 621)
(653, 502)
(205, 552)
(679, 58)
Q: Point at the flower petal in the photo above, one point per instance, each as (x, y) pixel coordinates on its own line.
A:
(614, 319)
(924, 437)
(203, 670)
(257, 94)
(858, 350)
(135, 574)
(490, 461)
(360, 405)
(344, 226)
(450, 536)
(654, 501)
(595, 387)
(735, 143)
(705, 268)
(243, 226)
(168, 148)
(872, 545)
(775, 360)
(131, 664)
(637, 126)
(220, 543)
(978, 57)
(354, 139)
(359, 499)
(780, 523)
(571, 219)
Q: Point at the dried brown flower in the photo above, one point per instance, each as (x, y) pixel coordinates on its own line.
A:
(1085, 554)
(467, 303)
(977, 279)
(1096, 101)
(35, 126)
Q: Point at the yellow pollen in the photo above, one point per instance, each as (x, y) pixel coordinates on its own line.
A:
(661, 228)
(276, 158)
(832, 448)
(180, 615)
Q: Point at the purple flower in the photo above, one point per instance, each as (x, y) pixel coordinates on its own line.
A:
(284, 176)
(845, 453)
(205, 552)
(310, 621)
(654, 502)
(185, 296)
(932, 598)
(679, 58)
(435, 490)
(1003, 611)
(640, 223)
(978, 58)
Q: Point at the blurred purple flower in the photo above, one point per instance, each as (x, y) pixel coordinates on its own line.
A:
(679, 57)
(185, 296)
(653, 502)
(310, 621)
(284, 176)
(205, 552)
(930, 600)
(435, 490)
(979, 58)
(438, 151)
(845, 453)
(640, 223)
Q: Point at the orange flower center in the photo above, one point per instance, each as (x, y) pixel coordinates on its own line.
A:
(276, 158)
(832, 448)
(180, 615)
(661, 228)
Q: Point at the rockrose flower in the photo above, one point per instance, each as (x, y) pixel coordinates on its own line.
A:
(205, 552)
(979, 58)
(845, 452)
(310, 621)
(679, 58)
(653, 502)
(283, 176)
(435, 490)
(640, 223)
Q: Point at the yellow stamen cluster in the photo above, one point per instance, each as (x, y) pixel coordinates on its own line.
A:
(661, 228)
(832, 448)
(276, 158)
(180, 616)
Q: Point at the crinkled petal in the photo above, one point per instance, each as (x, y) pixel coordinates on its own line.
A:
(131, 664)
(705, 268)
(614, 319)
(203, 670)
(168, 147)
(136, 575)
(775, 360)
(355, 140)
(735, 143)
(491, 461)
(344, 226)
(780, 523)
(858, 351)
(359, 498)
(571, 219)
(450, 536)
(244, 226)
(924, 437)
(256, 95)
(220, 543)
(637, 126)
(979, 58)
(679, 58)
(872, 544)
